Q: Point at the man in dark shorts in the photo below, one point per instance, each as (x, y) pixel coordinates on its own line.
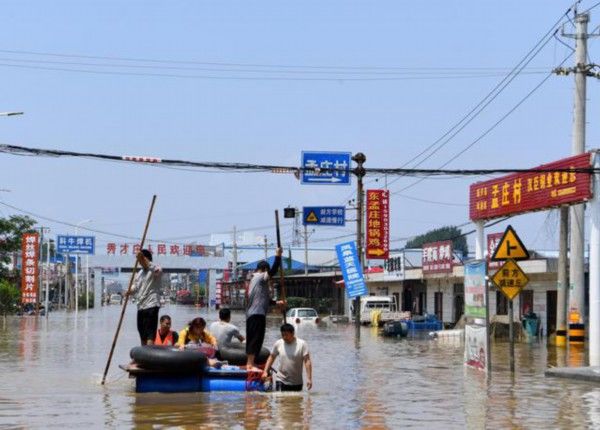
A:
(259, 299)
(147, 294)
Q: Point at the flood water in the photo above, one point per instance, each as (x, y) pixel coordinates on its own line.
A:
(50, 373)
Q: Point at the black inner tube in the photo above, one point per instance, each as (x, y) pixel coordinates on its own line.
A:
(168, 358)
(236, 355)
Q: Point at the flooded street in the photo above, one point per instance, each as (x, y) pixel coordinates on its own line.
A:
(50, 372)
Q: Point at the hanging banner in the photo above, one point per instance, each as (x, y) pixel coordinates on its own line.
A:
(351, 270)
(475, 289)
(530, 191)
(30, 248)
(493, 240)
(378, 224)
(437, 257)
(475, 346)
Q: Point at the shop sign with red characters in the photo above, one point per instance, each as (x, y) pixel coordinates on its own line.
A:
(378, 224)
(30, 248)
(437, 257)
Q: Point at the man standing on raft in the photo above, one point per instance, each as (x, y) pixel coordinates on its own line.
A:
(259, 299)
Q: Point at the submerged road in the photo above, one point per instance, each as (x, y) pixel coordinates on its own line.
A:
(50, 372)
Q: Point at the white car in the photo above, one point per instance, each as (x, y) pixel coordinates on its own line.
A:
(302, 316)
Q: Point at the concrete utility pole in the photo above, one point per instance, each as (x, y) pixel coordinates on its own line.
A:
(360, 172)
(577, 263)
(266, 247)
(235, 256)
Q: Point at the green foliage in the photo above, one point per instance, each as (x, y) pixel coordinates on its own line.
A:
(11, 231)
(459, 242)
(9, 298)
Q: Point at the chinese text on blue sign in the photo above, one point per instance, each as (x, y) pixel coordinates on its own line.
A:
(324, 215)
(75, 244)
(326, 168)
(351, 270)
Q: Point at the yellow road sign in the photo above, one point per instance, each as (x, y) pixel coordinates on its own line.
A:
(312, 217)
(510, 247)
(510, 279)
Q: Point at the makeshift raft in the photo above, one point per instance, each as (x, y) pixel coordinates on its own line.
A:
(169, 370)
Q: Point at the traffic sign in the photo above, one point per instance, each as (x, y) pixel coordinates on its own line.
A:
(75, 244)
(326, 168)
(510, 279)
(510, 247)
(324, 215)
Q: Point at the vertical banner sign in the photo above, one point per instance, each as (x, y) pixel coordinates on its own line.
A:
(351, 270)
(475, 346)
(437, 257)
(29, 278)
(475, 289)
(378, 224)
(493, 240)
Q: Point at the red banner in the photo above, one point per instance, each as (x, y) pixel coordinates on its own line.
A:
(30, 248)
(531, 191)
(437, 257)
(378, 224)
(493, 240)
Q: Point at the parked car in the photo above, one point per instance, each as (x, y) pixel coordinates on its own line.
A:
(302, 316)
(116, 299)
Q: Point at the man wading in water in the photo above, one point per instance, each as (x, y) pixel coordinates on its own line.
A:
(259, 300)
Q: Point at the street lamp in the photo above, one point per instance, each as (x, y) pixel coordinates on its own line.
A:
(79, 224)
(11, 113)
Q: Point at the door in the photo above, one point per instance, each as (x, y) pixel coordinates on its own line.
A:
(550, 312)
(459, 307)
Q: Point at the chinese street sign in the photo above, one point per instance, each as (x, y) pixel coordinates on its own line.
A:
(437, 257)
(510, 247)
(30, 248)
(351, 270)
(324, 215)
(378, 224)
(510, 279)
(326, 168)
(530, 191)
(493, 239)
(475, 289)
(75, 244)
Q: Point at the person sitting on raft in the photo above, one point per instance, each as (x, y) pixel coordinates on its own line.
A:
(164, 335)
(224, 331)
(195, 333)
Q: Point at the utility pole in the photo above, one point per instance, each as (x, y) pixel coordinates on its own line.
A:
(360, 172)
(235, 256)
(40, 272)
(266, 247)
(47, 297)
(577, 263)
(306, 236)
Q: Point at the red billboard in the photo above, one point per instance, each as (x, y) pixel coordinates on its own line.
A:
(530, 191)
(378, 224)
(437, 257)
(30, 248)
(493, 240)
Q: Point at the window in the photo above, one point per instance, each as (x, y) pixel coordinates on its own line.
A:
(307, 313)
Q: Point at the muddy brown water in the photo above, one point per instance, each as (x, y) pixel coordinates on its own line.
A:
(50, 373)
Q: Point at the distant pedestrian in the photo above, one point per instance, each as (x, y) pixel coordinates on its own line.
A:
(259, 299)
(146, 289)
(292, 353)
(224, 331)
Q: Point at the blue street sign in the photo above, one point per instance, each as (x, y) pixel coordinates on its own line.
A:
(351, 270)
(75, 244)
(334, 168)
(324, 215)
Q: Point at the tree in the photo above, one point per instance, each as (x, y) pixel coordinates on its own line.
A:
(11, 232)
(9, 298)
(459, 242)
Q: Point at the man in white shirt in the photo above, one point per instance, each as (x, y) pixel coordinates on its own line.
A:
(292, 353)
(147, 294)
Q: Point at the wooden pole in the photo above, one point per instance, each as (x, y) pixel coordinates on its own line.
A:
(281, 279)
(133, 272)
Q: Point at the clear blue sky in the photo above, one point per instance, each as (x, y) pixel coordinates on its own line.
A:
(272, 121)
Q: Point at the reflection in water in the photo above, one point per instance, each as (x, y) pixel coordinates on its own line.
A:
(50, 372)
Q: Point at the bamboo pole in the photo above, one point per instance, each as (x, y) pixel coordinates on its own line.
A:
(133, 272)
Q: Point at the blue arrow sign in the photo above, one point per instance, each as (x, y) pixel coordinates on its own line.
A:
(326, 168)
(324, 215)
